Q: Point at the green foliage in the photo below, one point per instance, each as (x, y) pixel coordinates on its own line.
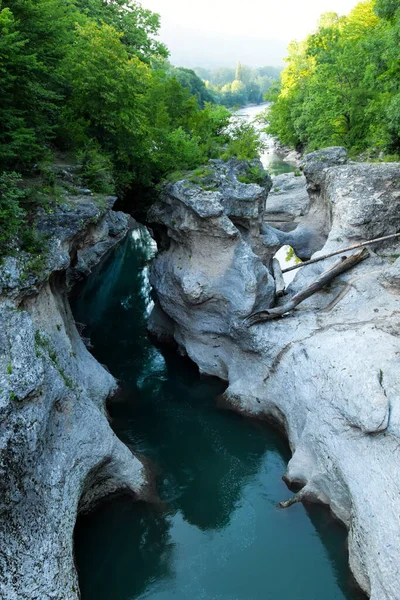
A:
(341, 85)
(137, 25)
(11, 213)
(254, 175)
(196, 86)
(235, 87)
(244, 143)
(386, 9)
(31, 240)
(290, 255)
(90, 78)
(96, 169)
(89, 73)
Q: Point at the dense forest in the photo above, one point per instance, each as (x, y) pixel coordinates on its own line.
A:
(235, 87)
(87, 81)
(341, 85)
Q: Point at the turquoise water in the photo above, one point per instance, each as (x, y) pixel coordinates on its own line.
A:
(217, 534)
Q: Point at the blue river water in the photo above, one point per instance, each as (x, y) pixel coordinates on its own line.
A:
(217, 533)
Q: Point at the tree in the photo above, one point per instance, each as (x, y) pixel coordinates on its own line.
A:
(340, 85)
(138, 25)
(188, 79)
(239, 72)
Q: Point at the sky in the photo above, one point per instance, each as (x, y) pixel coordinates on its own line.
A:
(221, 32)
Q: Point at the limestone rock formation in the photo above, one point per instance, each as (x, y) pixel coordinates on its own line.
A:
(328, 372)
(58, 453)
(288, 201)
(298, 206)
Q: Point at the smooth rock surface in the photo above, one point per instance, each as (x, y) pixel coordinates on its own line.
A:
(287, 201)
(329, 372)
(58, 453)
(299, 207)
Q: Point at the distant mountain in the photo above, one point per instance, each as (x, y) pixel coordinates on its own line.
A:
(190, 48)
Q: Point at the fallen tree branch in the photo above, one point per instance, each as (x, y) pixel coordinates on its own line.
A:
(299, 497)
(336, 252)
(279, 281)
(342, 265)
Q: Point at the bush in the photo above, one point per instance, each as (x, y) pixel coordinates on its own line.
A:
(96, 169)
(244, 143)
(11, 213)
(254, 175)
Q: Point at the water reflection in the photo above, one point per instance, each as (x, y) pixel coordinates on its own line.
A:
(219, 534)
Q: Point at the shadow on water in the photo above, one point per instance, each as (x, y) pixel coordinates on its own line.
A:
(219, 534)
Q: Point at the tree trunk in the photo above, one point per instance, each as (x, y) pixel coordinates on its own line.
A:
(342, 265)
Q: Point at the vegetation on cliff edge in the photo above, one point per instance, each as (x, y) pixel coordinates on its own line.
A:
(341, 85)
(90, 81)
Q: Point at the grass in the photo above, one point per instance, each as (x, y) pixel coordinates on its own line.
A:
(254, 175)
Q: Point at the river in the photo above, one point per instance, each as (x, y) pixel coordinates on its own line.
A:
(217, 533)
(269, 157)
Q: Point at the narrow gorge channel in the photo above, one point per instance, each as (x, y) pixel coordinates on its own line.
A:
(217, 532)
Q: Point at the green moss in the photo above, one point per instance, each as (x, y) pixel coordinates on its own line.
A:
(9, 369)
(291, 254)
(43, 342)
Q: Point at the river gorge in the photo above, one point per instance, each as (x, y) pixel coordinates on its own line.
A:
(147, 431)
(217, 532)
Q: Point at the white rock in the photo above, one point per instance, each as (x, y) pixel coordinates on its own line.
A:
(329, 373)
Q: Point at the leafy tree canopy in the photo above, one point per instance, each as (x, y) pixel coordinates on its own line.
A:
(90, 79)
(341, 84)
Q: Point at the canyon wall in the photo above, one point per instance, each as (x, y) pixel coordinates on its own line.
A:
(327, 372)
(58, 454)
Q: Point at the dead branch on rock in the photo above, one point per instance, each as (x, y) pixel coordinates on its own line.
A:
(336, 252)
(279, 281)
(342, 265)
(293, 500)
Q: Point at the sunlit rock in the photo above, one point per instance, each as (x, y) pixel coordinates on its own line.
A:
(328, 373)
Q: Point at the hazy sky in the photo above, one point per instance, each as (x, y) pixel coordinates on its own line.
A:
(209, 29)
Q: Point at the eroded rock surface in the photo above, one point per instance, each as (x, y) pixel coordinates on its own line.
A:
(58, 453)
(328, 372)
(288, 201)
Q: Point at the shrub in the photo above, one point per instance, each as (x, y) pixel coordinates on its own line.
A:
(254, 174)
(244, 143)
(11, 213)
(96, 169)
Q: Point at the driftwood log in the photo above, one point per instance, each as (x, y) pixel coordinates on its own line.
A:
(279, 281)
(342, 265)
(336, 252)
(299, 497)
